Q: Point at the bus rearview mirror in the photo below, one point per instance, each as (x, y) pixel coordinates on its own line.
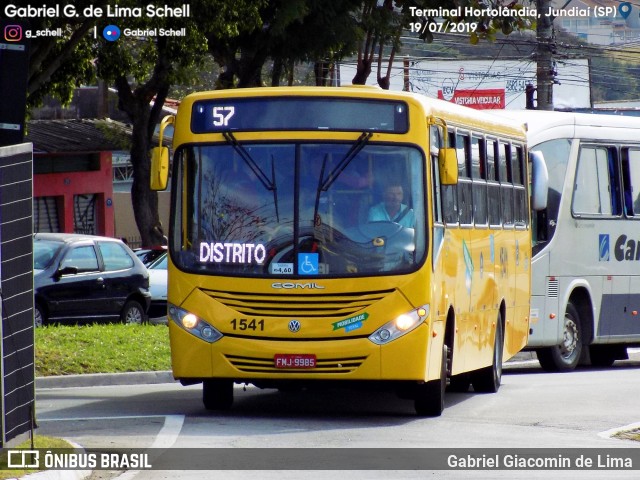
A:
(448, 166)
(159, 168)
(539, 181)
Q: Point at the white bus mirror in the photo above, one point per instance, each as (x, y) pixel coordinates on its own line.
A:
(539, 181)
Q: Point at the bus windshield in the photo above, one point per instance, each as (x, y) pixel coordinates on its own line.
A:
(299, 209)
(556, 155)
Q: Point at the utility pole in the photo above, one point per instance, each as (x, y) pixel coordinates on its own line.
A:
(544, 56)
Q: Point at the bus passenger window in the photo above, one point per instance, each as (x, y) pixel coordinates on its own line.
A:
(521, 211)
(631, 178)
(593, 188)
(478, 171)
(493, 187)
(463, 149)
(506, 185)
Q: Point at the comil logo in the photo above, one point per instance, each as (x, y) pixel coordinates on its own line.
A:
(604, 248)
(13, 33)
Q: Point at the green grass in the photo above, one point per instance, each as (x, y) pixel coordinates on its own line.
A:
(629, 435)
(111, 348)
(39, 441)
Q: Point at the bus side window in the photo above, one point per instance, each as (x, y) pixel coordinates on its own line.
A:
(492, 184)
(614, 182)
(506, 183)
(596, 185)
(478, 173)
(435, 141)
(465, 202)
(450, 194)
(631, 179)
(521, 210)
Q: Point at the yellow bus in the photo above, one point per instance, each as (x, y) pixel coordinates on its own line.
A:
(324, 236)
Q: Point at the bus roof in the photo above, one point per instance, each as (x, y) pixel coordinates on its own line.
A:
(452, 112)
(584, 124)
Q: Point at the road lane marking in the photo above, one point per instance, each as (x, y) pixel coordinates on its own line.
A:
(169, 432)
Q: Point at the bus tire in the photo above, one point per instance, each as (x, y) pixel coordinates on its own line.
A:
(217, 394)
(605, 355)
(488, 379)
(564, 357)
(429, 396)
(459, 383)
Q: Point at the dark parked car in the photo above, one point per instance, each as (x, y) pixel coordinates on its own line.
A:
(84, 278)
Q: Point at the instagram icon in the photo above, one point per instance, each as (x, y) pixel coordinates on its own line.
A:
(13, 33)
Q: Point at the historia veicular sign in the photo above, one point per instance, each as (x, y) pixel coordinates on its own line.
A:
(497, 84)
(486, 83)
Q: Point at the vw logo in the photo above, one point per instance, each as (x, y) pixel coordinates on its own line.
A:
(294, 326)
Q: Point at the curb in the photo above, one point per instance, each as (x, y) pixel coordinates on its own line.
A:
(165, 376)
(104, 379)
(60, 474)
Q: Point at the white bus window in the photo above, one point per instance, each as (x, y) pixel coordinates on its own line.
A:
(631, 177)
(593, 186)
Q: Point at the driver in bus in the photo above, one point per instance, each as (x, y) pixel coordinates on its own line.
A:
(391, 209)
(398, 246)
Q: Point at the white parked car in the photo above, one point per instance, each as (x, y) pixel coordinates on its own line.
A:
(158, 289)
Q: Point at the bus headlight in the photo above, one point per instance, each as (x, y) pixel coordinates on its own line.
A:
(193, 324)
(400, 326)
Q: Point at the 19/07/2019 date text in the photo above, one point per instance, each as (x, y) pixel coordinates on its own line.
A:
(443, 27)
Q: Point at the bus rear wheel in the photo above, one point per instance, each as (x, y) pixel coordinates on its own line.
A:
(605, 355)
(429, 396)
(217, 394)
(564, 357)
(488, 379)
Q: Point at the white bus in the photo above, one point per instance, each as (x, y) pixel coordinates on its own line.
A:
(586, 244)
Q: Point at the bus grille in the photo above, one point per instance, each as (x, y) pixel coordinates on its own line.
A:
(266, 365)
(301, 305)
(552, 288)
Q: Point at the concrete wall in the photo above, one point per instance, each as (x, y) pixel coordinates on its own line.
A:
(125, 223)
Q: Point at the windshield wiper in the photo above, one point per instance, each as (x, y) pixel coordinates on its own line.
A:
(269, 184)
(324, 184)
(344, 163)
(251, 163)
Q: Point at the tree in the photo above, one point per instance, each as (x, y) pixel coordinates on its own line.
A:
(324, 35)
(286, 31)
(57, 65)
(383, 22)
(143, 69)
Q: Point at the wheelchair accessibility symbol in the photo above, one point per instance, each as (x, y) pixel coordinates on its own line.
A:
(307, 264)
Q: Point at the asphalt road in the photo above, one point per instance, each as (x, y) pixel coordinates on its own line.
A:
(533, 409)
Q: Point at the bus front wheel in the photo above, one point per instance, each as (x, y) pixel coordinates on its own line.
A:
(217, 394)
(429, 396)
(488, 379)
(564, 357)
